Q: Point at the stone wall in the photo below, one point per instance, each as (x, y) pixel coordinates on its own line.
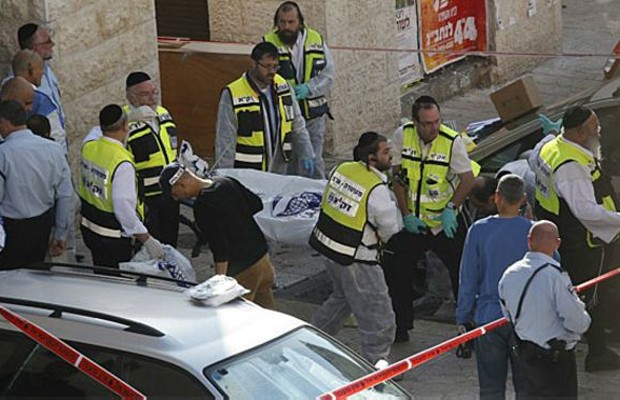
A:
(365, 95)
(97, 45)
(533, 26)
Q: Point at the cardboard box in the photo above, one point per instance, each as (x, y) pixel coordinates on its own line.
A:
(516, 99)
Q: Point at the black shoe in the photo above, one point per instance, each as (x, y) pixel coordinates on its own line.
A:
(401, 337)
(607, 361)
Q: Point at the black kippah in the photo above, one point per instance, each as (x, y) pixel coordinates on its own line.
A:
(576, 116)
(136, 77)
(109, 115)
(367, 139)
(25, 32)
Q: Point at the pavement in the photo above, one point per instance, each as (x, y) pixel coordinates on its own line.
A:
(589, 27)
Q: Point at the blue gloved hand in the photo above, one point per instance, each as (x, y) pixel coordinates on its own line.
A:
(302, 91)
(308, 164)
(549, 126)
(448, 221)
(414, 224)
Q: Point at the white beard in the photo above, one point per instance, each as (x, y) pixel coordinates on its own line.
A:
(594, 145)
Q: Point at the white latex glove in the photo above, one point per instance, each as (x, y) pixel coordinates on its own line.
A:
(154, 248)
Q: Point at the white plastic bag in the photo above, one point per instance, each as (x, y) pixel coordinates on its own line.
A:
(217, 290)
(291, 204)
(189, 160)
(175, 265)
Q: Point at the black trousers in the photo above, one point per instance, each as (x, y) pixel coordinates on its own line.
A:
(26, 241)
(582, 263)
(546, 375)
(107, 252)
(162, 219)
(400, 257)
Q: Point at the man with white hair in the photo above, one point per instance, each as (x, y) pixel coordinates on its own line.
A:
(153, 142)
(573, 192)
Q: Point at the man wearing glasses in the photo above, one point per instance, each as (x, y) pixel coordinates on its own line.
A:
(153, 142)
(433, 176)
(37, 38)
(259, 123)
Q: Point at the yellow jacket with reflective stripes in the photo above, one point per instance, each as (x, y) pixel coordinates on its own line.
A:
(152, 150)
(100, 159)
(429, 188)
(344, 214)
(552, 207)
(314, 63)
(246, 102)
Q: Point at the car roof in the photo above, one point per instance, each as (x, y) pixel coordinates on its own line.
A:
(168, 324)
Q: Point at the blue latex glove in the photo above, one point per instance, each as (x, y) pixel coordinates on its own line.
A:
(414, 224)
(308, 164)
(448, 221)
(549, 126)
(302, 91)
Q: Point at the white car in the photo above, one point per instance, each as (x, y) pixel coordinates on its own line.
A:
(152, 335)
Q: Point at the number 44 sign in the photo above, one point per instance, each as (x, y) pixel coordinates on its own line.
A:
(448, 28)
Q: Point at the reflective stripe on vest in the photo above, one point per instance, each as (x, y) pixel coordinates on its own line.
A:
(100, 160)
(250, 149)
(429, 188)
(314, 63)
(344, 215)
(152, 150)
(554, 154)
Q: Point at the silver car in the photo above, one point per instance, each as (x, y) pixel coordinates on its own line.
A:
(148, 332)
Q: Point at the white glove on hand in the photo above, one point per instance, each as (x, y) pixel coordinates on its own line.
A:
(154, 248)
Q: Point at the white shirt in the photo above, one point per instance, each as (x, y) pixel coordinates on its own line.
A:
(572, 182)
(94, 134)
(124, 198)
(383, 215)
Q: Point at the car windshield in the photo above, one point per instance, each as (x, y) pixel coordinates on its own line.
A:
(303, 364)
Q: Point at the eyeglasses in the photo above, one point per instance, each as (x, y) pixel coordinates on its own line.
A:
(47, 42)
(152, 93)
(426, 124)
(274, 67)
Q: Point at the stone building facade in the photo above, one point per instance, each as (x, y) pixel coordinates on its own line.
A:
(97, 44)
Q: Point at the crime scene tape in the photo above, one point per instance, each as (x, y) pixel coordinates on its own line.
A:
(420, 358)
(479, 53)
(72, 356)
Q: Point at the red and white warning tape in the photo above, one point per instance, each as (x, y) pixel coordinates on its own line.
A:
(72, 356)
(480, 53)
(420, 358)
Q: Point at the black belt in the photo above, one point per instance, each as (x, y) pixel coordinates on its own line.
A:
(553, 354)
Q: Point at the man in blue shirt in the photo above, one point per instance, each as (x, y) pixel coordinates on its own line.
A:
(491, 246)
(38, 39)
(35, 191)
(548, 318)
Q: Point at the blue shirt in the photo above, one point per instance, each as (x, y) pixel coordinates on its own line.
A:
(49, 86)
(492, 245)
(551, 309)
(34, 177)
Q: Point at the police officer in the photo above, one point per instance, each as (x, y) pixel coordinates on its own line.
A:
(112, 211)
(548, 317)
(259, 123)
(357, 217)
(574, 193)
(307, 64)
(153, 143)
(433, 179)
